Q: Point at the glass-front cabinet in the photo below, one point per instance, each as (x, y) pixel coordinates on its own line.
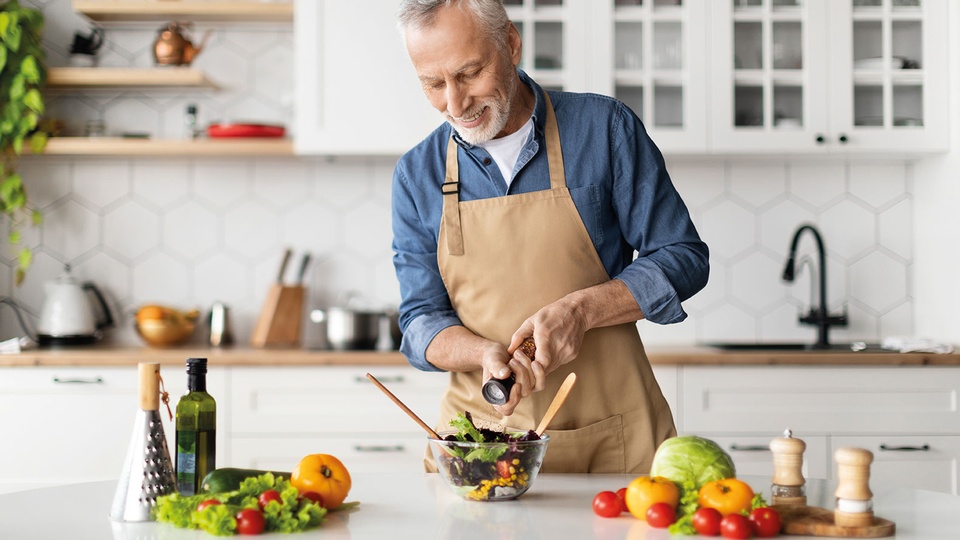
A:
(647, 53)
(828, 75)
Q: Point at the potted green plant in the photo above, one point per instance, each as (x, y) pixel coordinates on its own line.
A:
(22, 78)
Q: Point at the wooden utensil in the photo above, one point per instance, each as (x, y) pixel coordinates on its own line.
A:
(557, 402)
(406, 409)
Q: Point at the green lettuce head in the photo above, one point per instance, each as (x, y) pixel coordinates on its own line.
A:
(691, 460)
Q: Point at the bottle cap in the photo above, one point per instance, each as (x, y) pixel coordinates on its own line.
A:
(196, 366)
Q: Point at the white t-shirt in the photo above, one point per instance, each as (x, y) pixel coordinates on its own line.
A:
(506, 150)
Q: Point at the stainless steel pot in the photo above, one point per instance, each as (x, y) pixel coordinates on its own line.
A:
(350, 329)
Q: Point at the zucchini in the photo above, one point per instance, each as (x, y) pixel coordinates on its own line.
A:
(229, 479)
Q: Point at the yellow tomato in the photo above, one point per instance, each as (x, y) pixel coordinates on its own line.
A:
(644, 491)
(727, 496)
(322, 474)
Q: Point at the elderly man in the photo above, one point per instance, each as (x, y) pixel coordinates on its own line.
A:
(520, 217)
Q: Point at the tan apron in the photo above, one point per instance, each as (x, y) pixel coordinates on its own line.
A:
(504, 258)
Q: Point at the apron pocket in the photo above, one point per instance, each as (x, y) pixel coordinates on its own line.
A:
(597, 448)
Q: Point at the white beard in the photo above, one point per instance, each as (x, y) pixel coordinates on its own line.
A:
(499, 114)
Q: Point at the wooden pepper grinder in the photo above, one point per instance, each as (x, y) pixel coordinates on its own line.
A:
(788, 482)
(854, 498)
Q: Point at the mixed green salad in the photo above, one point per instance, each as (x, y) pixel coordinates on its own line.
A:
(489, 471)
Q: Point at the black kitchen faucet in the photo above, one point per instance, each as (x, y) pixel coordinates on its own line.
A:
(818, 315)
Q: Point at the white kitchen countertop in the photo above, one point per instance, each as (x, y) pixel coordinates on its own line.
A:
(420, 506)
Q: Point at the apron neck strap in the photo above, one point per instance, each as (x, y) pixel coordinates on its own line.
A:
(554, 153)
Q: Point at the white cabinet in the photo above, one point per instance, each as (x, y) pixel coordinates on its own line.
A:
(280, 414)
(356, 91)
(829, 75)
(907, 416)
(73, 424)
(653, 57)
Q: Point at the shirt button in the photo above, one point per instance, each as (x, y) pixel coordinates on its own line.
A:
(486, 161)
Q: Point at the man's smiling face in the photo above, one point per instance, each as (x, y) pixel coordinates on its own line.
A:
(465, 74)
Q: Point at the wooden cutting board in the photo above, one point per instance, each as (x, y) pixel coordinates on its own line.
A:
(814, 521)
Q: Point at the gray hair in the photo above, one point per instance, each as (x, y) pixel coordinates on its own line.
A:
(490, 15)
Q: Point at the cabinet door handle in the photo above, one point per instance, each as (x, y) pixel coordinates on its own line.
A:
(385, 379)
(843, 139)
(93, 380)
(379, 448)
(885, 448)
(820, 139)
(749, 448)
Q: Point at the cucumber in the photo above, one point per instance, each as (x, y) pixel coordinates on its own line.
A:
(229, 479)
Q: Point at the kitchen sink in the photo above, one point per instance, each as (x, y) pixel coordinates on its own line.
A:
(790, 346)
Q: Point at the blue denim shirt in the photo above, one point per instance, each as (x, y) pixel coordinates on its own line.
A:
(618, 182)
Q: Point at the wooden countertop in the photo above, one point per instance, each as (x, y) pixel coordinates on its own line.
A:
(245, 356)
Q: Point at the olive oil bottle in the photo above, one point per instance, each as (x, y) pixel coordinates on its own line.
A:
(196, 430)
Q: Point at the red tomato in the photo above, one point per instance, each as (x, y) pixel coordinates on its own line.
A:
(250, 521)
(313, 496)
(206, 503)
(661, 515)
(606, 504)
(706, 521)
(622, 495)
(736, 526)
(765, 521)
(267, 496)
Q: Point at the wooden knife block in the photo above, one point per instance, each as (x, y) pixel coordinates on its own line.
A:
(280, 319)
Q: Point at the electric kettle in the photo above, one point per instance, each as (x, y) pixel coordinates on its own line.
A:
(68, 316)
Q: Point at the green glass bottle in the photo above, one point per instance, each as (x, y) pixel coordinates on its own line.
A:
(196, 430)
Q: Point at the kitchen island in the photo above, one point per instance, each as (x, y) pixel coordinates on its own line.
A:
(420, 506)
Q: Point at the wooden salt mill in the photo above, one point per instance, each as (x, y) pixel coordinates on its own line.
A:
(854, 498)
(788, 482)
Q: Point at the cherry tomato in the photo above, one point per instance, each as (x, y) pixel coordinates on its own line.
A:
(267, 496)
(736, 526)
(622, 495)
(313, 496)
(661, 515)
(706, 521)
(607, 504)
(766, 522)
(250, 521)
(729, 496)
(206, 503)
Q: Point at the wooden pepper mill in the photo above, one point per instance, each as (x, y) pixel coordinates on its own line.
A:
(788, 482)
(854, 498)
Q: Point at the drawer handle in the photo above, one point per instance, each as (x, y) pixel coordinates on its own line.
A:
(94, 380)
(384, 378)
(379, 448)
(924, 448)
(749, 448)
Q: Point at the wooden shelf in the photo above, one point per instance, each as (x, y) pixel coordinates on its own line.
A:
(96, 77)
(165, 10)
(117, 146)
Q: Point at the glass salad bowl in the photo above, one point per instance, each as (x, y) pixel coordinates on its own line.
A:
(489, 471)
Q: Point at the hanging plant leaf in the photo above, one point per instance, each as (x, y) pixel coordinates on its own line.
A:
(30, 70)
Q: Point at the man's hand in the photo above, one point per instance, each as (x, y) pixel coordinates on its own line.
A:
(558, 328)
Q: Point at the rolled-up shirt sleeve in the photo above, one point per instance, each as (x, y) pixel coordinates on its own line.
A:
(672, 262)
(425, 308)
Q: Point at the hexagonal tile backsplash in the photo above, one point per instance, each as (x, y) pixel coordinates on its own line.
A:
(190, 231)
